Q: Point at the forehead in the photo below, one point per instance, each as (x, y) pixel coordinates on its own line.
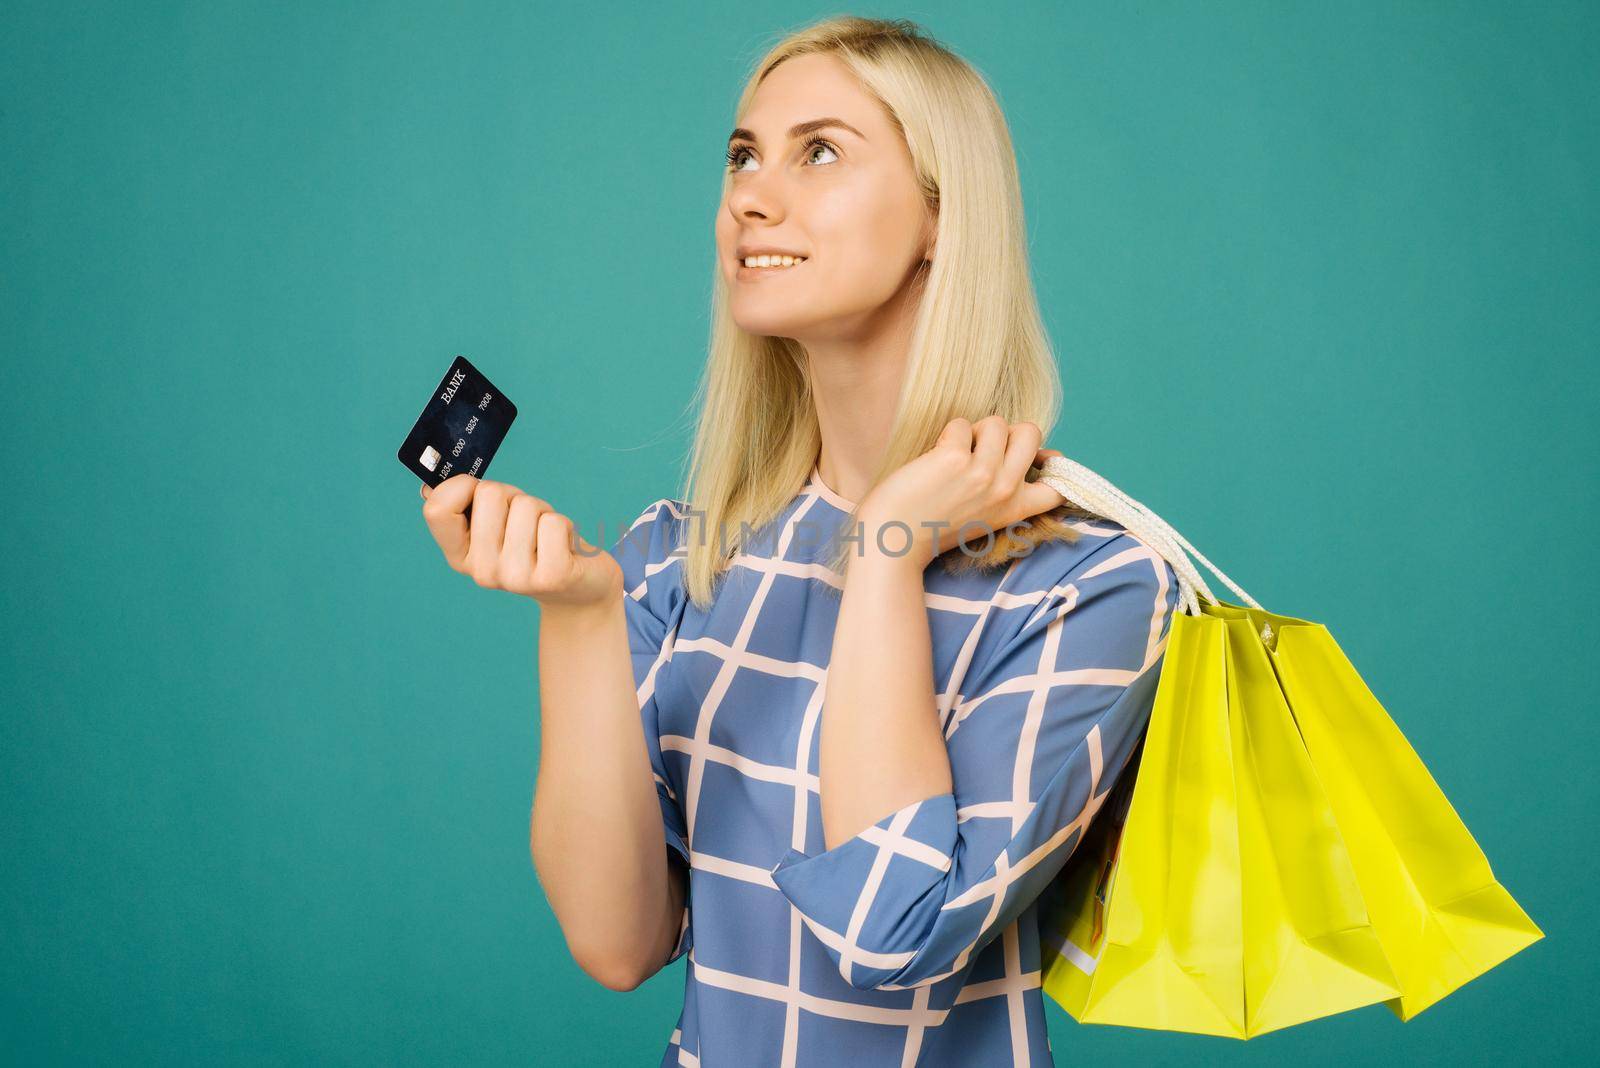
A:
(806, 87)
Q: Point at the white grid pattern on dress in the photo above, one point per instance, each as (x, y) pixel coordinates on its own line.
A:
(888, 836)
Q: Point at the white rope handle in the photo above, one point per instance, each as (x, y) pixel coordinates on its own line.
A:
(1094, 493)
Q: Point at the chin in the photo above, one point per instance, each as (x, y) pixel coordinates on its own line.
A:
(769, 325)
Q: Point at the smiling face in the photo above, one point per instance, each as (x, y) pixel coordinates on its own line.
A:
(818, 172)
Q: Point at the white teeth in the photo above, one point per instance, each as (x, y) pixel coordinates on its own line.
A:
(773, 261)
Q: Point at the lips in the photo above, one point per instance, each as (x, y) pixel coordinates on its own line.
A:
(747, 274)
(744, 252)
(770, 259)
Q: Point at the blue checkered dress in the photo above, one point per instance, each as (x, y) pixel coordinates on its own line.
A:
(916, 941)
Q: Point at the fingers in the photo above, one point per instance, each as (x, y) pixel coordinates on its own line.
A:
(444, 511)
(1036, 497)
(506, 539)
(1022, 450)
(555, 542)
(989, 448)
(1022, 445)
(489, 506)
(518, 555)
(1041, 496)
(956, 436)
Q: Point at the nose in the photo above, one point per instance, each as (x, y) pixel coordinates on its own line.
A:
(756, 197)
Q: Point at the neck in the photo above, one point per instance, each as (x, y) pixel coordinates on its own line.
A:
(856, 382)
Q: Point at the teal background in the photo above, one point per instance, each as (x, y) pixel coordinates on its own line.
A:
(1323, 282)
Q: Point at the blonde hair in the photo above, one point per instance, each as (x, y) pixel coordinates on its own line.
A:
(978, 346)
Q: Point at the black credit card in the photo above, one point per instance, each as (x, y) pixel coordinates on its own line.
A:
(460, 429)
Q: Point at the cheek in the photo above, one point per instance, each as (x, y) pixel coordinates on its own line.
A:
(724, 236)
(868, 242)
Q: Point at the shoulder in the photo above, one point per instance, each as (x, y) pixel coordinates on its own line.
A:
(1113, 591)
(653, 540)
(1105, 552)
(651, 552)
(663, 513)
(1102, 602)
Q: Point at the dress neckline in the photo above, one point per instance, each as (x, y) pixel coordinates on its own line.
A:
(827, 493)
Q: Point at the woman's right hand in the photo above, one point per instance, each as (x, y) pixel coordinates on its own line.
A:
(516, 542)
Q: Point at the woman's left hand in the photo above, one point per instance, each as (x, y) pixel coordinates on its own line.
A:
(973, 482)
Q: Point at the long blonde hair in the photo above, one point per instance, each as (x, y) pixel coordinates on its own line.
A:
(978, 346)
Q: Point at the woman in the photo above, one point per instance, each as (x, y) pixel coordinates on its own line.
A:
(869, 756)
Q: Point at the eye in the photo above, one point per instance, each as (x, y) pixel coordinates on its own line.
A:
(816, 143)
(740, 154)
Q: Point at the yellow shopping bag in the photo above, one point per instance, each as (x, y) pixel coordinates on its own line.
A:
(1227, 904)
(1442, 916)
(1279, 852)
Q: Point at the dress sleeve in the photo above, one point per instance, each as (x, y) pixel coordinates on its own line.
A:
(1048, 725)
(653, 602)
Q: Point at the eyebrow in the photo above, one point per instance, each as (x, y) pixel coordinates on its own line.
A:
(798, 130)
